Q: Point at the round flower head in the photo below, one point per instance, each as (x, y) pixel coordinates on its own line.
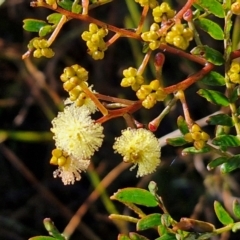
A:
(140, 147)
(88, 103)
(76, 133)
(71, 170)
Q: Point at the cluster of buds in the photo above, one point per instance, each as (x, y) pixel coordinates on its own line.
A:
(151, 93)
(73, 77)
(95, 42)
(132, 79)
(42, 48)
(234, 72)
(197, 136)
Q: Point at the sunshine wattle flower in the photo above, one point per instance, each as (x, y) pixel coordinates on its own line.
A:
(70, 171)
(140, 147)
(76, 133)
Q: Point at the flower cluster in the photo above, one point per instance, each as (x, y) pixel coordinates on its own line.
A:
(150, 3)
(197, 136)
(162, 12)
(153, 37)
(42, 48)
(76, 137)
(95, 42)
(234, 72)
(179, 36)
(140, 147)
(74, 78)
(151, 93)
(132, 78)
(69, 168)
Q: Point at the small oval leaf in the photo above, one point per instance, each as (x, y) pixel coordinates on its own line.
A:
(136, 236)
(235, 94)
(216, 162)
(226, 141)
(45, 30)
(236, 208)
(135, 195)
(33, 25)
(167, 236)
(192, 225)
(178, 141)
(213, 79)
(222, 214)
(212, 28)
(193, 150)
(212, 6)
(182, 125)
(232, 164)
(150, 221)
(214, 97)
(42, 238)
(54, 18)
(220, 119)
(66, 4)
(210, 54)
(123, 237)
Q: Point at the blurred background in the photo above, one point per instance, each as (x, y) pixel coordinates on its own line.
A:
(31, 94)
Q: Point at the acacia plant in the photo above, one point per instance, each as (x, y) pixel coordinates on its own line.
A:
(161, 29)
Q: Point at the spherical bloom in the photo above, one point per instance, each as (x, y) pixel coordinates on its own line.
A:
(76, 133)
(140, 147)
(88, 103)
(71, 170)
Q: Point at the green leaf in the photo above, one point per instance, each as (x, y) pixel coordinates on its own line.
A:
(236, 208)
(222, 214)
(235, 94)
(45, 30)
(214, 97)
(213, 79)
(166, 219)
(135, 236)
(66, 4)
(193, 150)
(216, 162)
(123, 237)
(42, 238)
(182, 125)
(221, 119)
(33, 25)
(135, 195)
(226, 141)
(54, 18)
(150, 221)
(232, 164)
(76, 8)
(178, 141)
(212, 6)
(210, 54)
(212, 28)
(167, 236)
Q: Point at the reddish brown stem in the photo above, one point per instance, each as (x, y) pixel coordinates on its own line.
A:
(190, 80)
(188, 5)
(87, 18)
(120, 112)
(235, 54)
(143, 17)
(114, 99)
